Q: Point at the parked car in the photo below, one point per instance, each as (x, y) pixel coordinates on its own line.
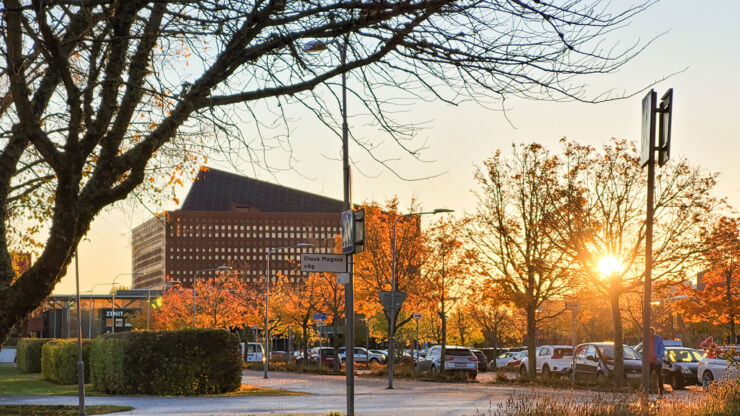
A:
(482, 359)
(515, 363)
(383, 354)
(554, 360)
(502, 359)
(596, 359)
(680, 366)
(710, 369)
(321, 356)
(362, 356)
(456, 359)
(254, 352)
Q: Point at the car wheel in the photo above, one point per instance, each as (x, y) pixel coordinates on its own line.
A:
(707, 378)
(523, 372)
(473, 375)
(434, 370)
(546, 372)
(374, 361)
(676, 382)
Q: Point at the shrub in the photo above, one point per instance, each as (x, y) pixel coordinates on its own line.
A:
(191, 361)
(11, 342)
(28, 354)
(59, 360)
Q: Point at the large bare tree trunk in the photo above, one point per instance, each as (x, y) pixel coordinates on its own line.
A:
(531, 341)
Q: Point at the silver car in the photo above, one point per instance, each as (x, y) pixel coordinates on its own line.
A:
(456, 359)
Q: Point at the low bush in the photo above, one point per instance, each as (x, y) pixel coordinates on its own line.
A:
(722, 399)
(59, 360)
(406, 370)
(192, 361)
(28, 354)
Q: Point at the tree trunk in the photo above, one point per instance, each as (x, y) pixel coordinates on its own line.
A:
(618, 342)
(444, 341)
(304, 327)
(531, 341)
(731, 311)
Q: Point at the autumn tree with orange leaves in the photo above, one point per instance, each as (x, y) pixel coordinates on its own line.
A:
(717, 295)
(220, 302)
(372, 267)
(296, 302)
(599, 209)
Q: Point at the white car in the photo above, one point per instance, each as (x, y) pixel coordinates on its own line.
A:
(711, 369)
(254, 352)
(362, 356)
(551, 359)
(502, 359)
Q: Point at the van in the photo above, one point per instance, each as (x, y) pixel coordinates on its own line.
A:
(254, 352)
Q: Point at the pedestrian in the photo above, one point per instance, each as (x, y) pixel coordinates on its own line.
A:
(657, 353)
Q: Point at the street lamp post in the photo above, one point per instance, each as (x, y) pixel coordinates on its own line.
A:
(113, 297)
(393, 312)
(266, 352)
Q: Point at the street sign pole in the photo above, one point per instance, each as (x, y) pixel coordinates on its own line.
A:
(647, 157)
(416, 353)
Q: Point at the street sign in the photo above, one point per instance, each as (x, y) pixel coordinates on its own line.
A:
(385, 300)
(321, 262)
(572, 306)
(359, 229)
(342, 278)
(417, 316)
(319, 324)
(348, 232)
(648, 127)
(664, 128)
(319, 317)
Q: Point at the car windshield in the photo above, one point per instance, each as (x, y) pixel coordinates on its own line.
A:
(607, 351)
(254, 348)
(683, 356)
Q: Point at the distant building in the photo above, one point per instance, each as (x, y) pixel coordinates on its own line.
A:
(231, 220)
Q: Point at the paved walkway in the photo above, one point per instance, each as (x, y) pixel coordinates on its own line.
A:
(326, 393)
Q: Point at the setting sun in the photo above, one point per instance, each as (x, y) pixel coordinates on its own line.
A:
(609, 264)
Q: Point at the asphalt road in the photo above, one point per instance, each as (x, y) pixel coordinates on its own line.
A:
(325, 394)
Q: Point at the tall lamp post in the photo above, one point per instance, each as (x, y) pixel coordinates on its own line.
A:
(393, 312)
(113, 297)
(349, 291)
(266, 353)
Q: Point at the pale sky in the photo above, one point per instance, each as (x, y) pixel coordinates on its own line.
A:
(701, 37)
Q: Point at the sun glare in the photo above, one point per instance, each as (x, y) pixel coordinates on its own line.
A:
(609, 264)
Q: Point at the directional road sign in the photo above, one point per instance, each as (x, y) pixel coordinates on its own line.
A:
(417, 316)
(572, 306)
(321, 262)
(319, 317)
(348, 231)
(385, 300)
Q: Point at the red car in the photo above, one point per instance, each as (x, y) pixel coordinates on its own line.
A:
(322, 356)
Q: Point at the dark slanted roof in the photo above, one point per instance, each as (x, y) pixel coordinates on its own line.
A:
(216, 190)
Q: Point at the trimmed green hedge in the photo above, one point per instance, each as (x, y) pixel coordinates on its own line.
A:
(191, 361)
(59, 360)
(28, 354)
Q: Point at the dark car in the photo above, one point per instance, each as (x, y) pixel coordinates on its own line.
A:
(596, 360)
(322, 356)
(680, 365)
(482, 359)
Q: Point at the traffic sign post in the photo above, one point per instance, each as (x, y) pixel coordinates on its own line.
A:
(647, 157)
(319, 317)
(416, 316)
(321, 262)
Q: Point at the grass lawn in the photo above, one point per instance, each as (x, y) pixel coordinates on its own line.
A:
(15, 383)
(23, 410)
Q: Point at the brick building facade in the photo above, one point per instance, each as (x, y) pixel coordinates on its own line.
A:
(231, 220)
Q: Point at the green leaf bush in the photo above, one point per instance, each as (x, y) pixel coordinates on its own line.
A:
(191, 361)
(28, 354)
(59, 360)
